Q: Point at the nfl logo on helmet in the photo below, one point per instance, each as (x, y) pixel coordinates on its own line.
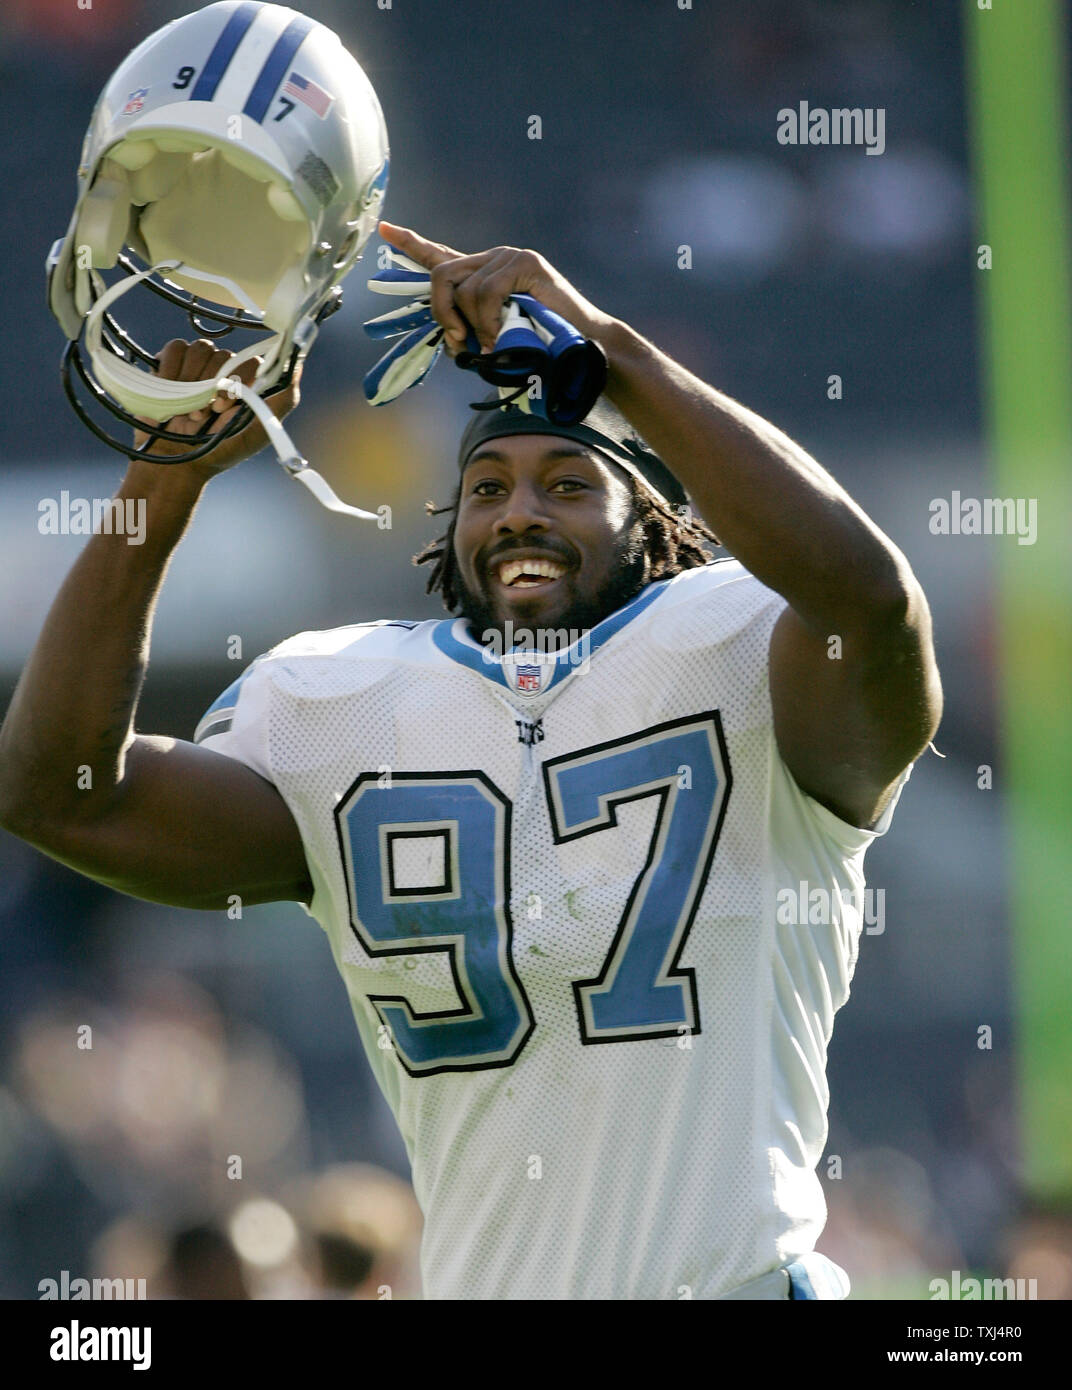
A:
(135, 101)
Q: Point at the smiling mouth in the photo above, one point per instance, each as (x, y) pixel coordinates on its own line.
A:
(529, 574)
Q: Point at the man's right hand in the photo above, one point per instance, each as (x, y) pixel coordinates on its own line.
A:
(201, 361)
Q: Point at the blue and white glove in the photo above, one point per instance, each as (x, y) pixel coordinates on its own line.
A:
(411, 359)
(539, 362)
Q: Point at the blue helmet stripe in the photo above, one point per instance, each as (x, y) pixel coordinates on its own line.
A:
(275, 65)
(234, 31)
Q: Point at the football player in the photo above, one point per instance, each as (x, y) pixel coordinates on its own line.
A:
(553, 873)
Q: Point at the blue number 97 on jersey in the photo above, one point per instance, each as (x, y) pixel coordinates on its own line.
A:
(461, 904)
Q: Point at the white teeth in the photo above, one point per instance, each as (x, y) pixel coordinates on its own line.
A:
(512, 570)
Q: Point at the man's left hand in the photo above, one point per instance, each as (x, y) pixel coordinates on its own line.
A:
(471, 290)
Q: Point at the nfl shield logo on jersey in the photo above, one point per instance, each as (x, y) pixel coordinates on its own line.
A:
(528, 679)
(527, 673)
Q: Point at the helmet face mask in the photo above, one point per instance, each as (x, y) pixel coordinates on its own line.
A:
(235, 164)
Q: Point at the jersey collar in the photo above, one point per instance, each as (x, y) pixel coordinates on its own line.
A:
(532, 673)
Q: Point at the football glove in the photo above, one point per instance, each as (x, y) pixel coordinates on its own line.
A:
(539, 362)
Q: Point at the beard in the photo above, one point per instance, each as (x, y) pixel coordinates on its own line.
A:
(581, 612)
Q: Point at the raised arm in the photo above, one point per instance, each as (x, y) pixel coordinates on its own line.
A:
(156, 817)
(850, 714)
(854, 684)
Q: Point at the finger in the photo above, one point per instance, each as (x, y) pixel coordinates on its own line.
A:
(215, 363)
(449, 269)
(170, 358)
(455, 302)
(480, 298)
(213, 367)
(226, 415)
(281, 403)
(444, 282)
(225, 406)
(245, 373)
(424, 252)
(198, 356)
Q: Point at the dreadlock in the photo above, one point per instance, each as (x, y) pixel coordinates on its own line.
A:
(674, 542)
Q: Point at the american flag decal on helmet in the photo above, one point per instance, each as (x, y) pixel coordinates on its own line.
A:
(303, 89)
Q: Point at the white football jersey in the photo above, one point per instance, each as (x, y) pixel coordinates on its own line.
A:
(573, 900)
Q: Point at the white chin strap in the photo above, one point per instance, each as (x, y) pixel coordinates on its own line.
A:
(287, 454)
(158, 398)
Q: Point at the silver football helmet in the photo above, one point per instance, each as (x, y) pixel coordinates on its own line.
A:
(235, 163)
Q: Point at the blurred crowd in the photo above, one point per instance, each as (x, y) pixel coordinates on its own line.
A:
(188, 1142)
